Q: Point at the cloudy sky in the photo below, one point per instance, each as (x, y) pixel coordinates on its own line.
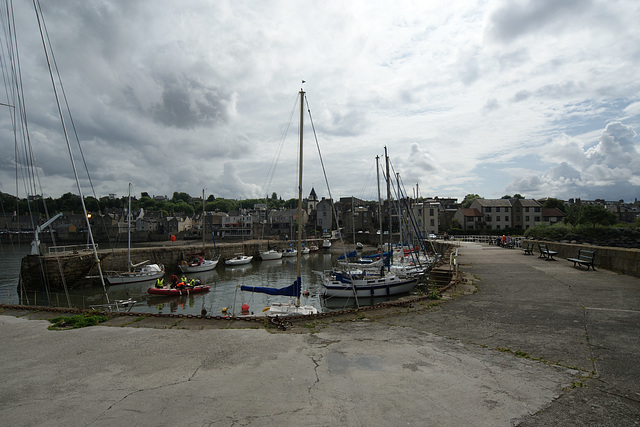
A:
(537, 97)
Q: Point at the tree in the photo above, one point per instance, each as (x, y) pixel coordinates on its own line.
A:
(180, 197)
(184, 208)
(506, 196)
(468, 199)
(518, 196)
(91, 203)
(597, 215)
(223, 205)
(589, 214)
(70, 203)
(455, 225)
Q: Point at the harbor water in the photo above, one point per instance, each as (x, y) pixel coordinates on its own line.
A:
(11, 255)
(224, 297)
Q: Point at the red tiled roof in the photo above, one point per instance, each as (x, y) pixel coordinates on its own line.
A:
(471, 212)
(552, 212)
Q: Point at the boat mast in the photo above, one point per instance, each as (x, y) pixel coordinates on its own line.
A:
(379, 206)
(389, 205)
(202, 220)
(299, 243)
(353, 223)
(129, 231)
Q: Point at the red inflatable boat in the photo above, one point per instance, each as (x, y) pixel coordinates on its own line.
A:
(175, 291)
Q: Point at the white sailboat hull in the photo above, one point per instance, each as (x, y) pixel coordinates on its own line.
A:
(205, 265)
(239, 260)
(374, 286)
(270, 255)
(147, 272)
(290, 309)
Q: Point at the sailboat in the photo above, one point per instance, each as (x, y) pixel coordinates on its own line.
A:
(197, 261)
(270, 254)
(240, 258)
(294, 290)
(140, 272)
(349, 282)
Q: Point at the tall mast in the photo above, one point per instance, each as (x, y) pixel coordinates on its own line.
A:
(386, 156)
(379, 205)
(129, 231)
(299, 245)
(202, 219)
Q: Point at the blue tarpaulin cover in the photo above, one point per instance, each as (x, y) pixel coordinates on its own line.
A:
(292, 290)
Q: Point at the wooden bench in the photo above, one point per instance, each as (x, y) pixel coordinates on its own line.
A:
(528, 249)
(546, 253)
(584, 257)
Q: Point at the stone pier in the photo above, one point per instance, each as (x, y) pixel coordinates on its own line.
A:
(79, 268)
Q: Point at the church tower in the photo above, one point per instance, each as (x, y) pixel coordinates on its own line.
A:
(312, 201)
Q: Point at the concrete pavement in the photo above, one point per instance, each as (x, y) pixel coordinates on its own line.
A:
(533, 343)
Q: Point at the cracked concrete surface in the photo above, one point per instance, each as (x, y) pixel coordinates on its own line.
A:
(454, 364)
(354, 374)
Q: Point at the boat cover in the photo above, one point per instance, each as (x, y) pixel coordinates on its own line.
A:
(292, 290)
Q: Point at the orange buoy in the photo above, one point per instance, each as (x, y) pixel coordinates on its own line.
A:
(245, 307)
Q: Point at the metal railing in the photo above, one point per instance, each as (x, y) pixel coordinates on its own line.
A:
(517, 240)
(71, 248)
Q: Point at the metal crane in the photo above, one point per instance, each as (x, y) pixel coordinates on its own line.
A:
(35, 244)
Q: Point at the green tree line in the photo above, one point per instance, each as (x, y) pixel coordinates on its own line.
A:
(180, 203)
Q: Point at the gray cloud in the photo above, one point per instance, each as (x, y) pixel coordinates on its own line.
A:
(515, 19)
(609, 167)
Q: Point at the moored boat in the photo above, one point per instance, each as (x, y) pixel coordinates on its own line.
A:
(271, 254)
(364, 284)
(139, 274)
(292, 308)
(175, 291)
(239, 259)
(198, 263)
(289, 252)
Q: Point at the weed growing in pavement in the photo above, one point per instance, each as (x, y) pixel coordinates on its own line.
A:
(77, 321)
(137, 319)
(434, 294)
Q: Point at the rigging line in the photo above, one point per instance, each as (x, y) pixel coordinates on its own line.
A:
(73, 124)
(64, 96)
(13, 82)
(367, 182)
(326, 180)
(66, 136)
(324, 171)
(274, 162)
(411, 223)
(30, 176)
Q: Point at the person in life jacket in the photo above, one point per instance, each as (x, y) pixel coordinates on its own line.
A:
(180, 285)
(184, 279)
(192, 283)
(160, 282)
